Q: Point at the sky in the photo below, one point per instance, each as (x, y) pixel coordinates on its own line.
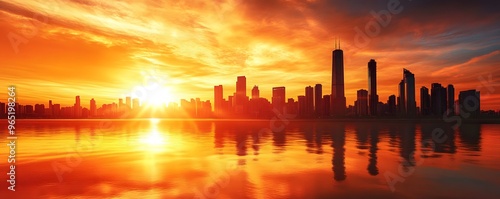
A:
(111, 49)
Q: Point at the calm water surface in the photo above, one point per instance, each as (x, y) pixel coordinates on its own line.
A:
(252, 159)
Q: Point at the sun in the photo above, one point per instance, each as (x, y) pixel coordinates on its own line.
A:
(155, 95)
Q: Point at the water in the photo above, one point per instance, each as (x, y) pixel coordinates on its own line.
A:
(246, 159)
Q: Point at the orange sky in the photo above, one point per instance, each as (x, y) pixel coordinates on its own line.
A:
(104, 49)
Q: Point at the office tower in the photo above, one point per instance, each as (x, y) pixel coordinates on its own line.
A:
(362, 103)
(326, 104)
(438, 99)
(128, 102)
(425, 101)
(255, 92)
(241, 86)
(240, 97)
(278, 99)
(302, 105)
(77, 107)
(28, 109)
(451, 99)
(309, 101)
(469, 101)
(50, 112)
(338, 101)
(409, 95)
(401, 98)
(372, 87)
(93, 108)
(120, 104)
(391, 103)
(318, 100)
(218, 99)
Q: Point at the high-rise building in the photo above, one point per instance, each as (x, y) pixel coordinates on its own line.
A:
(401, 98)
(338, 101)
(128, 102)
(278, 99)
(326, 104)
(309, 101)
(469, 101)
(318, 100)
(77, 107)
(391, 103)
(49, 112)
(2, 110)
(411, 104)
(240, 97)
(301, 100)
(120, 104)
(93, 108)
(218, 99)
(425, 101)
(362, 103)
(241, 86)
(438, 99)
(451, 99)
(372, 87)
(255, 92)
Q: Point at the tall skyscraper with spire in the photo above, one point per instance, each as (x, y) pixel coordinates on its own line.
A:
(338, 91)
(372, 87)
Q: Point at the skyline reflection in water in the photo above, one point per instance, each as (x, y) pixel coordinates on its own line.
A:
(243, 159)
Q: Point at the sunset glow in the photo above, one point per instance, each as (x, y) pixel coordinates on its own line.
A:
(55, 50)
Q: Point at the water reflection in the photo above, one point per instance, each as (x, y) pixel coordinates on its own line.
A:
(170, 157)
(338, 161)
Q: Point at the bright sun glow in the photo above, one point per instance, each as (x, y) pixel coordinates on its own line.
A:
(154, 94)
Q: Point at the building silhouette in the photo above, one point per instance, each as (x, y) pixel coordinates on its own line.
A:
(240, 97)
(401, 98)
(338, 100)
(326, 104)
(278, 99)
(93, 108)
(372, 87)
(309, 101)
(408, 105)
(451, 99)
(218, 99)
(425, 101)
(470, 103)
(391, 105)
(255, 92)
(318, 100)
(361, 103)
(77, 107)
(438, 99)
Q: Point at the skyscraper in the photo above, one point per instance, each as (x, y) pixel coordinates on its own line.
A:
(401, 98)
(391, 103)
(425, 101)
(240, 97)
(372, 86)
(255, 92)
(278, 99)
(309, 101)
(93, 107)
(362, 103)
(451, 99)
(438, 99)
(128, 102)
(78, 107)
(409, 81)
(338, 94)
(470, 102)
(326, 104)
(318, 100)
(218, 99)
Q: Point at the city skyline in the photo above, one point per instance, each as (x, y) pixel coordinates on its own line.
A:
(118, 50)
